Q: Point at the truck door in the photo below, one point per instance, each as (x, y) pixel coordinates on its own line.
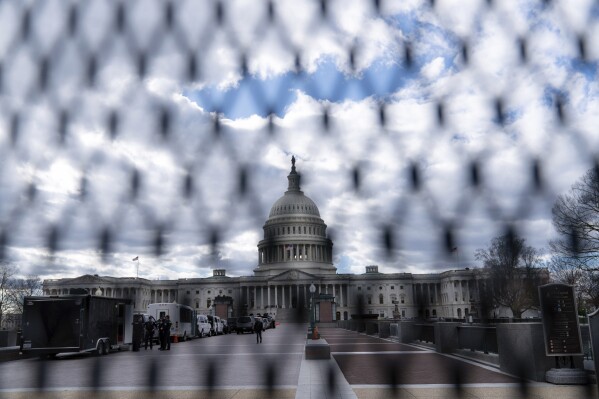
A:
(120, 323)
(128, 324)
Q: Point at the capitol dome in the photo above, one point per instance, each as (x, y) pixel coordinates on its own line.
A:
(294, 202)
(294, 235)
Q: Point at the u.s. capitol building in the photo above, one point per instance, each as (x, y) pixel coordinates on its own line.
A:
(294, 254)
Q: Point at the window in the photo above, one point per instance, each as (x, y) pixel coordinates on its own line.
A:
(287, 229)
(401, 287)
(456, 296)
(197, 304)
(380, 287)
(392, 287)
(293, 229)
(370, 299)
(368, 288)
(208, 302)
(304, 229)
(381, 299)
(359, 288)
(188, 292)
(403, 299)
(209, 291)
(197, 291)
(230, 291)
(220, 292)
(403, 313)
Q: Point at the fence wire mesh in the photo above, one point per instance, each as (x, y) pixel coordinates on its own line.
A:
(102, 147)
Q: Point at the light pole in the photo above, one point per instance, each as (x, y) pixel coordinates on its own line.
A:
(312, 308)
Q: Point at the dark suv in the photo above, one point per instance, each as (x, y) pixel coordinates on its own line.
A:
(245, 323)
(232, 322)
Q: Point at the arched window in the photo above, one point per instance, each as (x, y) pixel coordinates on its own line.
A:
(381, 299)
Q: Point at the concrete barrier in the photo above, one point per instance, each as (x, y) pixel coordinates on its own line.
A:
(372, 327)
(317, 349)
(521, 348)
(446, 336)
(384, 329)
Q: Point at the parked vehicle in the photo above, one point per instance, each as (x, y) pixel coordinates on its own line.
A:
(216, 326)
(181, 317)
(270, 318)
(220, 327)
(245, 324)
(232, 322)
(203, 326)
(225, 326)
(75, 323)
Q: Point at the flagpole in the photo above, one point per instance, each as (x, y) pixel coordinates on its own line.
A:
(136, 259)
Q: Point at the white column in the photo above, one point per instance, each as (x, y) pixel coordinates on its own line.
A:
(283, 296)
(276, 297)
(468, 291)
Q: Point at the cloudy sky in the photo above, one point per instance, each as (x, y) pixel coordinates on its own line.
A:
(166, 133)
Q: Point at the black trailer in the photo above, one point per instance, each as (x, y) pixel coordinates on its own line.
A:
(75, 323)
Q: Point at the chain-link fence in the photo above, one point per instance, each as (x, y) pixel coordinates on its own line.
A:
(131, 127)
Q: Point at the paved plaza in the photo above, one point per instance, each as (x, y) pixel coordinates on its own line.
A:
(234, 366)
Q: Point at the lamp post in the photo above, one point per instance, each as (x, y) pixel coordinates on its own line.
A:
(312, 308)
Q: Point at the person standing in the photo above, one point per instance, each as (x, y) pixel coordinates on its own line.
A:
(150, 326)
(161, 333)
(258, 330)
(167, 333)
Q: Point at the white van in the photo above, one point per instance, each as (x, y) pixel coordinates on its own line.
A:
(203, 326)
(216, 326)
(181, 316)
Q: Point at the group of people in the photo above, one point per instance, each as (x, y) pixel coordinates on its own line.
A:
(164, 332)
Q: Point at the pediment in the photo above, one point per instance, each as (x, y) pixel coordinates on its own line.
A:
(292, 275)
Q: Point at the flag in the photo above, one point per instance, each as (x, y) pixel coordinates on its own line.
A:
(136, 258)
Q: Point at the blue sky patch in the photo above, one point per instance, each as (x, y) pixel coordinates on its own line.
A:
(255, 96)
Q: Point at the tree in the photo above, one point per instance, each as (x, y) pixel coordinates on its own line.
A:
(563, 270)
(13, 289)
(7, 272)
(20, 288)
(576, 220)
(512, 271)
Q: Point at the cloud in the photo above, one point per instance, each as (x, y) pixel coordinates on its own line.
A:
(189, 166)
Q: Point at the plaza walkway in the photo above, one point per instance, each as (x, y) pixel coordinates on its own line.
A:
(382, 368)
(235, 367)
